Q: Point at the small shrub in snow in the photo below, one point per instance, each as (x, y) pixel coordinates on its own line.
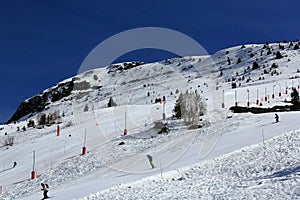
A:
(95, 77)
(269, 52)
(69, 123)
(274, 65)
(233, 85)
(8, 140)
(221, 73)
(158, 125)
(281, 47)
(86, 108)
(30, 123)
(161, 127)
(266, 46)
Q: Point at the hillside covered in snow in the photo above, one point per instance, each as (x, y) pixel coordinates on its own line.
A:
(221, 155)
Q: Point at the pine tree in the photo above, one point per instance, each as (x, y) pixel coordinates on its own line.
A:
(255, 66)
(177, 107)
(228, 60)
(30, 123)
(86, 108)
(278, 55)
(42, 119)
(111, 102)
(269, 52)
(295, 97)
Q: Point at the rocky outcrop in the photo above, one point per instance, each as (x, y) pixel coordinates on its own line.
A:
(40, 101)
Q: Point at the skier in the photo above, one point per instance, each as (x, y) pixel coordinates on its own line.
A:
(15, 164)
(45, 189)
(276, 118)
(150, 161)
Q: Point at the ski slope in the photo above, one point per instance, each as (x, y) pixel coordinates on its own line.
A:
(259, 171)
(232, 155)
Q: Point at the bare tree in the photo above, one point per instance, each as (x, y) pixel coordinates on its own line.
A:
(189, 107)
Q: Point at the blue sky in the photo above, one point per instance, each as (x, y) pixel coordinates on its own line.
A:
(44, 42)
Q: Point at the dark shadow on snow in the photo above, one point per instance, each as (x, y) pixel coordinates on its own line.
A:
(282, 174)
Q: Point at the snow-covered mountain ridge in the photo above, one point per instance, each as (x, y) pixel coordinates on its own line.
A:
(235, 64)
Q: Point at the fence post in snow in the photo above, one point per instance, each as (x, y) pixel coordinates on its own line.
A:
(248, 103)
(84, 147)
(279, 90)
(164, 112)
(125, 129)
(257, 100)
(33, 173)
(266, 97)
(58, 130)
(235, 94)
(223, 99)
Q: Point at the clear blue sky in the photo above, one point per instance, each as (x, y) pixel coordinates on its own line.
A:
(44, 42)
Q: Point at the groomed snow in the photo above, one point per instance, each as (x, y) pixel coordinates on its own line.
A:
(268, 170)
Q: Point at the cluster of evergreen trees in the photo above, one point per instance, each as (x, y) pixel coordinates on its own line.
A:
(49, 119)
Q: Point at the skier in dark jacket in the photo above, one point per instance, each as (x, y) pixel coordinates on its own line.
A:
(45, 190)
(276, 117)
(150, 158)
(15, 164)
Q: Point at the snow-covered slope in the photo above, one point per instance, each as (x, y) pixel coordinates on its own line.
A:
(268, 170)
(112, 159)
